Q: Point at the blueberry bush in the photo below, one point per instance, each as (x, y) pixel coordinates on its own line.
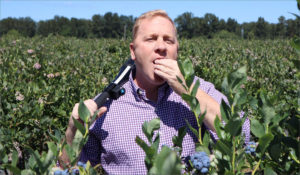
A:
(42, 78)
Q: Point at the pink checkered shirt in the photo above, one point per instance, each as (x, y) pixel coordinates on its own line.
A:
(112, 137)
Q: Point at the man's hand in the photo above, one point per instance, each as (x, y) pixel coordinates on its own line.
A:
(168, 70)
(71, 130)
(92, 107)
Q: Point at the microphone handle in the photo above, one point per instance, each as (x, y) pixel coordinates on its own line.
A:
(101, 99)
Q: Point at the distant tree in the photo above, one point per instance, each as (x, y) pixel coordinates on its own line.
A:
(80, 28)
(185, 25)
(222, 25)
(249, 30)
(98, 24)
(212, 22)
(281, 27)
(232, 25)
(261, 28)
(111, 25)
(292, 29)
(200, 27)
(127, 23)
(25, 26)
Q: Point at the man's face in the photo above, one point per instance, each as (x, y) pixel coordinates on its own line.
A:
(155, 39)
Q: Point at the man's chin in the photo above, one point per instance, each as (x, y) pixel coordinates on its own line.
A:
(158, 79)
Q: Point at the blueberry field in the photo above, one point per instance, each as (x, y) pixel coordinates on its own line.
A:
(41, 78)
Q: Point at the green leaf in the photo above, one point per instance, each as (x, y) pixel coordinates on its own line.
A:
(188, 99)
(79, 126)
(206, 139)
(268, 113)
(296, 43)
(257, 129)
(195, 88)
(47, 161)
(167, 163)
(202, 148)
(225, 86)
(277, 118)
(253, 103)
(150, 152)
(237, 78)
(177, 140)
(52, 147)
(223, 147)
(13, 169)
(217, 124)
(234, 126)
(93, 118)
(36, 157)
(191, 128)
(225, 111)
(182, 84)
(83, 112)
(187, 70)
(70, 152)
(78, 142)
(296, 64)
(26, 172)
(229, 173)
(156, 141)
(189, 81)
(15, 158)
(147, 149)
(269, 171)
(274, 153)
(264, 142)
(149, 128)
(197, 112)
(240, 99)
(180, 65)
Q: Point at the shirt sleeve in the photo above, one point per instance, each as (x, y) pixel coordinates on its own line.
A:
(210, 89)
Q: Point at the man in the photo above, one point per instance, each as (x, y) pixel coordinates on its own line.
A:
(151, 92)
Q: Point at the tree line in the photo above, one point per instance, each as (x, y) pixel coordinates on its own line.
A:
(112, 25)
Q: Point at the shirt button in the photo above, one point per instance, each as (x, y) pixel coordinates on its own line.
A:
(139, 91)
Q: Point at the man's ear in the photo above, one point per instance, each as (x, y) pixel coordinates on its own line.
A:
(132, 48)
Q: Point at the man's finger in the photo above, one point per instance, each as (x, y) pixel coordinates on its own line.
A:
(102, 110)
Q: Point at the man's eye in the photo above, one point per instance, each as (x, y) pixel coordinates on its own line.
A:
(150, 39)
(170, 41)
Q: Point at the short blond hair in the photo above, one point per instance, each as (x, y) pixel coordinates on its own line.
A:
(148, 15)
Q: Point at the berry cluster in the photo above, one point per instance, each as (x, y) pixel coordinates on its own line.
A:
(200, 161)
(74, 170)
(250, 148)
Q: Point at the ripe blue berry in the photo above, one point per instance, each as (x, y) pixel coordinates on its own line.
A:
(75, 171)
(81, 164)
(58, 172)
(250, 148)
(200, 161)
(204, 170)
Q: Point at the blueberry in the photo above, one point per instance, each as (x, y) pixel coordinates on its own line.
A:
(75, 171)
(58, 172)
(204, 170)
(198, 165)
(80, 163)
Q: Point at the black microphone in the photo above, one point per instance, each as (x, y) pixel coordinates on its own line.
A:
(114, 90)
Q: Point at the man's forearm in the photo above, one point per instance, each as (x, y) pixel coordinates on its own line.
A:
(70, 134)
(211, 106)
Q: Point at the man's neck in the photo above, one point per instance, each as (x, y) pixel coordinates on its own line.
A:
(151, 91)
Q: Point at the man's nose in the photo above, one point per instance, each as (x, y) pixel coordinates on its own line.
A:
(160, 46)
